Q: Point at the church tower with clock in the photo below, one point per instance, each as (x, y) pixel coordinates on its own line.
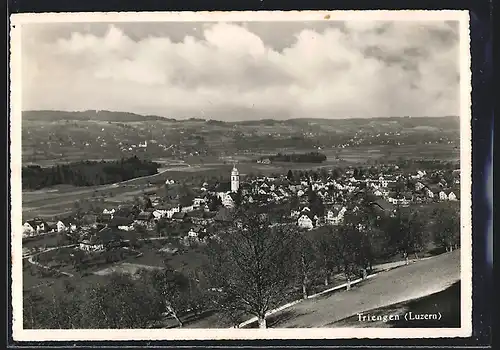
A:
(235, 179)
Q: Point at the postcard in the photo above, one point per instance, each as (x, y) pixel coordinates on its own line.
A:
(241, 175)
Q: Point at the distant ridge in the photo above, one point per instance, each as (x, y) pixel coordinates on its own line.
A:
(114, 116)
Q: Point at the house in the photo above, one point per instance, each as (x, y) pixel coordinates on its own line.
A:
(179, 216)
(229, 200)
(188, 208)
(222, 188)
(101, 240)
(172, 211)
(122, 223)
(161, 211)
(306, 220)
(197, 217)
(419, 186)
(196, 232)
(125, 212)
(452, 196)
(442, 196)
(197, 202)
(35, 226)
(51, 226)
(65, 225)
(144, 218)
(429, 193)
(109, 211)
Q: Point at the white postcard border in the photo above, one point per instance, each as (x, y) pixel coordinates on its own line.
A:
(20, 334)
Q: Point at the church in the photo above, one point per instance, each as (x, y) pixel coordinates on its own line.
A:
(227, 194)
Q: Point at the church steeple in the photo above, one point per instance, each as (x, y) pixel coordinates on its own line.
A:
(235, 179)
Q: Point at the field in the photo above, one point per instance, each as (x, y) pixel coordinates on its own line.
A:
(147, 256)
(61, 199)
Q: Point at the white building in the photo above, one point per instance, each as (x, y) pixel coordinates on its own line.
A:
(443, 196)
(109, 211)
(305, 221)
(235, 179)
(63, 225)
(452, 196)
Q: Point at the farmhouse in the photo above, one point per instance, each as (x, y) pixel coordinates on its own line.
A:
(180, 217)
(196, 232)
(101, 240)
(307, 221)
(65, 225)
(442, 196)
(144, 218)
(34, 226)
(122, 223)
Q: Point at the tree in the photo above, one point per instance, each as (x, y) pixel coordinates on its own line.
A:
(238, 197)
(315, 203)
(172, 287)
(446, 227)
(345, 250)
(289, 175)
(214, 203)
(326, 262)
(306, 264)
(250, 265)
(121, 302)
(406, 231)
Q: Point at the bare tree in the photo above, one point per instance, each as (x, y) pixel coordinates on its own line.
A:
(250, 265)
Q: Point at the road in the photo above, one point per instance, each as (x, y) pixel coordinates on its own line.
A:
(405, 283)
(68, 198)
(33, 262)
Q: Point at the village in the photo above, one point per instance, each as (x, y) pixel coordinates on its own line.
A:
(212, 204)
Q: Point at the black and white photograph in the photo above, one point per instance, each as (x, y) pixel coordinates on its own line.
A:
(241, 175)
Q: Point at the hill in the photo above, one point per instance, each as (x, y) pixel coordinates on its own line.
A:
(113, 116)
(74, 136)
(89, 115)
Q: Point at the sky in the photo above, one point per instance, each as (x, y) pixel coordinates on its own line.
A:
(242, 71)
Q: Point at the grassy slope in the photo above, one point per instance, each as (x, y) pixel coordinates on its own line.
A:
(446, 302)
(396, 286)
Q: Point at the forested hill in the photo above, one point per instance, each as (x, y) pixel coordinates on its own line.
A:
(87, 173)
(446, 122)
(89, 115)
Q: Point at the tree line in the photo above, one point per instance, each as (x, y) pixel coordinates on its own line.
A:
(310, 157)
(87, 173)
(255, 264)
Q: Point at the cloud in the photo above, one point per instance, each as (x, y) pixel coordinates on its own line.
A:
(357, 69)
